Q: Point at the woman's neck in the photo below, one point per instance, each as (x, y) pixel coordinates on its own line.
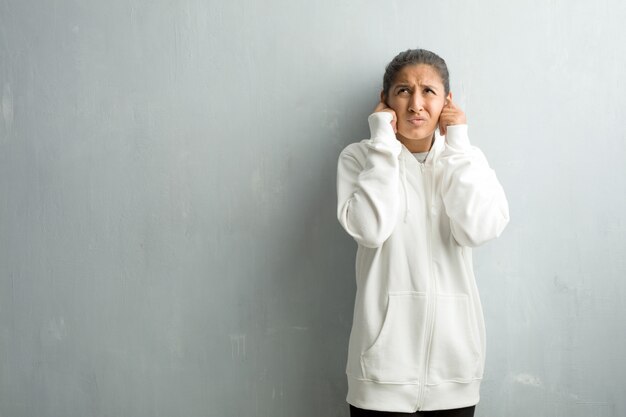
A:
(417, 145)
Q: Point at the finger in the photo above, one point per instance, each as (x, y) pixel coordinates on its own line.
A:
(442, 125)
(447, 119)
(380, 106)
(446, 113)
(450, 110)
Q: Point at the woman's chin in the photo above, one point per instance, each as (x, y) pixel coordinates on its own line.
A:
(416, 135)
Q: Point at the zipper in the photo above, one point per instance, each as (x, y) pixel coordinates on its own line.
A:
(432, 295)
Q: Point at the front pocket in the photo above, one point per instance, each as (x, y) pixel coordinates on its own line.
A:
(395, 355)
(455, 353)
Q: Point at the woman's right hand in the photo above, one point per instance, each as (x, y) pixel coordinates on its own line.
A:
(383, 107)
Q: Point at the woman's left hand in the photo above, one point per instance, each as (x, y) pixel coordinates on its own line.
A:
(450, 115)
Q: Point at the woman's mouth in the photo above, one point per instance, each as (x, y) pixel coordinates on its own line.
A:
(417, 121)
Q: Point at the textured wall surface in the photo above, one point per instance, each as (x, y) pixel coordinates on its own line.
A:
(168, 240)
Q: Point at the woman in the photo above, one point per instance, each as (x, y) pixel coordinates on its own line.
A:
(416, 197)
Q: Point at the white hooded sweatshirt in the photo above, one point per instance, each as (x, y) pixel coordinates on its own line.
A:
(418, 335)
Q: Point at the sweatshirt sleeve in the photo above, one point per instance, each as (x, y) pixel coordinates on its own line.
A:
(472, 195)
(368, 191)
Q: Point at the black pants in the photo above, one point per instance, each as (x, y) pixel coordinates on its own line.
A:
(457, 412)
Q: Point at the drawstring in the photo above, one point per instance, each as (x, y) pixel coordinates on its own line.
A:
(406, 195)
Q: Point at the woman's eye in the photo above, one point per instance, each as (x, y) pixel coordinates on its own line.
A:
(429, 90)
(403, 91)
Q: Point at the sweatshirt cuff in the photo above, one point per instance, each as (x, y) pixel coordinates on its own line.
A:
(456, 137)
(381, 131)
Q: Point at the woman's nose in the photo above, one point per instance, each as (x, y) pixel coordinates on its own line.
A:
(416, 104)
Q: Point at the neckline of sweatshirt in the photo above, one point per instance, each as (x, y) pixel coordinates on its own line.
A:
(420, 156)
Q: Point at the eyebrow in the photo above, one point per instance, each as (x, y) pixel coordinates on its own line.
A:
(402, 84)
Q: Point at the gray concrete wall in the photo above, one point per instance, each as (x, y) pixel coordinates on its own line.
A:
(168, 240)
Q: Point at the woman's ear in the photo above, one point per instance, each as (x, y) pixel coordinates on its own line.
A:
(382, 96)
(449, 97)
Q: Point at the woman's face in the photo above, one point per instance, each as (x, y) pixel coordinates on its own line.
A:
(417, 95)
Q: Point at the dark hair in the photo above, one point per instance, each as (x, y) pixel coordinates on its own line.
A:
(415, 57)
